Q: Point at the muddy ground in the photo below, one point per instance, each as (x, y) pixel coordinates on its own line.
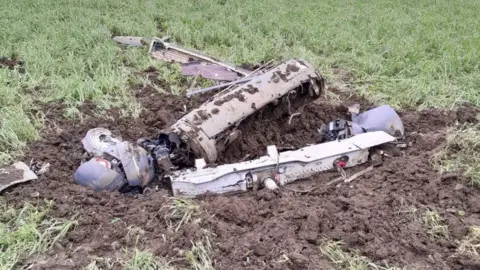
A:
(258, 230)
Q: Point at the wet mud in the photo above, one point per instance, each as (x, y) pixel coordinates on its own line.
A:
(258, 230)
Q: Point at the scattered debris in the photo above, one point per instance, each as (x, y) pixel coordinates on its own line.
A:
(182, 152)
(291, 116)
(113, 164)
(16, 174)
(209, 71)
(360, 173)
(169, 52)
(130, 41)
(39, 168)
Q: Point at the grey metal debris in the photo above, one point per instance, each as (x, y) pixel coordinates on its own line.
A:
(169, 52)
(209, 71)
(8, 179)
(130, 41)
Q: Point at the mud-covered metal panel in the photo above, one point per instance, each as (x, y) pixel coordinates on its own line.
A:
(204, 125)
(243, 100)
(284, 167)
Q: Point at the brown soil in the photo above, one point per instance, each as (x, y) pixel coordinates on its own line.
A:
(256, 230)
(11, 63)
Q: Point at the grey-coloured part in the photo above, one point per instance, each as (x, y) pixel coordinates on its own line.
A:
(94, 175)
(209, 71)
(97, 140)
(169, 52)
(27, 175)
(130, 41)
(137, 164)
(382, 118)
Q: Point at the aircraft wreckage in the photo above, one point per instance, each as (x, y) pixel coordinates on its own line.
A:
(183, 154)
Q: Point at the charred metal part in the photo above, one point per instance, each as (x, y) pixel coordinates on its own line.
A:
(280, 167)
(202, 130)
(170, 52)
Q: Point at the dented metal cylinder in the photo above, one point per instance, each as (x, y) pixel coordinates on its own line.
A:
(205, 128)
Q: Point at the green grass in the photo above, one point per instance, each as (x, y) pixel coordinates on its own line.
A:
(27, 232)
(180, 212)
(406, 53)
(461, 153)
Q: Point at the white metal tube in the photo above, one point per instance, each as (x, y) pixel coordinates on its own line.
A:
(269, 183)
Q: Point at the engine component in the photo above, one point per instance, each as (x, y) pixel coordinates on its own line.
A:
(207, 128)
(98, 175)
(115, 165)
(283, 167)
(383, 118)
(338, 129)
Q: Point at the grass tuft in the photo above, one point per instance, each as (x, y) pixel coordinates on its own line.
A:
(199, 256)
(144, 260)
(140, 260)
(28, 231)
(461, 153)
(98, 263)
(470, 244)
(336, 253)
(434, 224)
(180, 212)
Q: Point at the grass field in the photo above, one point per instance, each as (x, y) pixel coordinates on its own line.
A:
(406, 53)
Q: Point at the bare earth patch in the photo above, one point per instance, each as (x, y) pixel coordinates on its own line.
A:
(262, 230)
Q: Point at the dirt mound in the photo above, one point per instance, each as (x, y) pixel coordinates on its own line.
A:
(258, 230)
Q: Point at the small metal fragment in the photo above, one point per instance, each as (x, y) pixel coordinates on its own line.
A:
(130, 41)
